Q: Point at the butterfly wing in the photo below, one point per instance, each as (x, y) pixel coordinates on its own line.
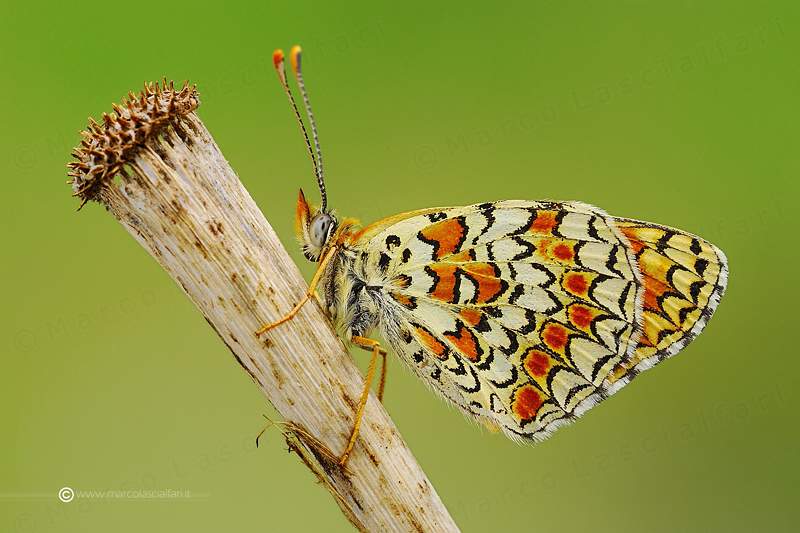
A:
(525, 314)
(683, 279)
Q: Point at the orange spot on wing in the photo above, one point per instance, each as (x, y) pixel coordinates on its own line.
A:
(537, 363)
(489, 286)
(653, 290)
(544, 244)
(431, 343)
(488, 289)
(564, 252)
(577, 283)
(471, 316)
(466, 343)
(527, 401)
(555, 336)
(544, 222)
(632, 236)
(446, 283)
(448, 234)
(581, 315)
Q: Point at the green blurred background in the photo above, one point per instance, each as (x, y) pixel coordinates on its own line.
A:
(681, 113)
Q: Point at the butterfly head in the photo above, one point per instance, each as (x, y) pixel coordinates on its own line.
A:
(314, 227)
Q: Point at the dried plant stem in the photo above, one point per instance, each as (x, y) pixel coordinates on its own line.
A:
(184, 204)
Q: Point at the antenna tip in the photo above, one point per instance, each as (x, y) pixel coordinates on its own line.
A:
(294, 55)
(277, 57)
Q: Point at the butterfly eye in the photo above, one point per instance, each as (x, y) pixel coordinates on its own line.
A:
(319, 229)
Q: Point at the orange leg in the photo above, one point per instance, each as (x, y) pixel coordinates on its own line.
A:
(369, 347)
(367, 344)
(383, 377)
(323, 265)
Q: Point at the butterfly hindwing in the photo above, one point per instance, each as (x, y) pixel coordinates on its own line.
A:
(683, 279)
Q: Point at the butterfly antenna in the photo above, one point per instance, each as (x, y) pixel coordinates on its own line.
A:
(294, 56)
(280, 68)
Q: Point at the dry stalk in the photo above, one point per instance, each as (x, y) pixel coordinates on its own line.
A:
(183, 203)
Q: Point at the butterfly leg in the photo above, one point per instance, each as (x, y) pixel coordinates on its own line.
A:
(383, 377)
(374, 346)
(323, 265)
(382, 352)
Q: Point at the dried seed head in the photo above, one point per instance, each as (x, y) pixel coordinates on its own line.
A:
(106, 148)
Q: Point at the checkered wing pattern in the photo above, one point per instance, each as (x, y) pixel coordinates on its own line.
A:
(526, 314)
(683, 278)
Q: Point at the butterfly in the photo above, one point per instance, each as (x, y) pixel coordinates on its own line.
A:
(523, 314)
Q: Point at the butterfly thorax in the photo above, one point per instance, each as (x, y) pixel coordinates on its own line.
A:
(353, 299)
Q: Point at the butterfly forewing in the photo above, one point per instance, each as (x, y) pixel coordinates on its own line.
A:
(515, 311)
